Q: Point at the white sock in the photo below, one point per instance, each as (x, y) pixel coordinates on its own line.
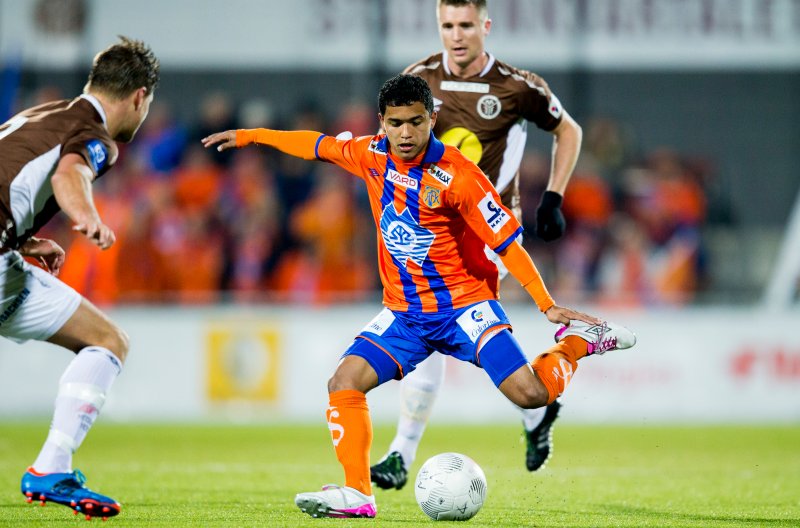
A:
(532, 417)
(418, 391)
(81, 393)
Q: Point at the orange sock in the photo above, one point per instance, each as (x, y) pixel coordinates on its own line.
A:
(556, 366)
(574, 347)
(351, 432)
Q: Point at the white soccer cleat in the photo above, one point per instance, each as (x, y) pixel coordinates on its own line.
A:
(336, 501)
(601, 338)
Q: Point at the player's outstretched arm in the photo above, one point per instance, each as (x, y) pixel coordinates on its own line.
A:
(72, 188)
(521, 266)
(224, 140)
(300, 143)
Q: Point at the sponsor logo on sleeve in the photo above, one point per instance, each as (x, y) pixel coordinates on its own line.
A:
(439, 174)
(493, 213)
(401, 179)
(98, 154)
(554, 107)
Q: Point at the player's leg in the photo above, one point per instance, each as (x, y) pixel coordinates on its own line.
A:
(40, 307)
(386, 349)
(363, 367)
(538, 429)
(418, 392)
(537, 423)
(100, 348)
(541, 382)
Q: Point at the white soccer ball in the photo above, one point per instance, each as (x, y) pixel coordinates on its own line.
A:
(450, 487)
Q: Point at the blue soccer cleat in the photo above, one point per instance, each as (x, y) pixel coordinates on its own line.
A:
(68, 489)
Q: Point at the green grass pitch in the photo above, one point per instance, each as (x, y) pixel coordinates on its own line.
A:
(242, 476)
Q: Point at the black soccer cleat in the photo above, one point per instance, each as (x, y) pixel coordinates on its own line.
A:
(390, 472)
(540, 439)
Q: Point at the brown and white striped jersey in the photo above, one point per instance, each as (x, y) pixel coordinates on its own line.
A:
(486, 116)
(31, 145)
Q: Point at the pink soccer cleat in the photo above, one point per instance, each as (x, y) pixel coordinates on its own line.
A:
(601, 338)
(336, 501)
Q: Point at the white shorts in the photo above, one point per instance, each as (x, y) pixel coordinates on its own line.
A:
(33, 303)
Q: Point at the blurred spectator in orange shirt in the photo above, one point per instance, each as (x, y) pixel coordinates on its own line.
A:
(251, 211)
(197, 181)
(329, 264)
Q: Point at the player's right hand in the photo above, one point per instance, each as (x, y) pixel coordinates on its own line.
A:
(49, 254)
(225, 139)
(100, 234)
(561, 315)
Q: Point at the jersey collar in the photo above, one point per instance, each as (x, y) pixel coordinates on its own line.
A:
(433, 153)
(489, 64)
(97, 106)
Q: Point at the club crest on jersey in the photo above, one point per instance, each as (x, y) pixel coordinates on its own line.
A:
(430, 195)
(401, 179)
(403, 237)
(493, 213)
(439, 174)
(489, 106)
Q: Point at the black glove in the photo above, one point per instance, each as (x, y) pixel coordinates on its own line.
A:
(550, 223)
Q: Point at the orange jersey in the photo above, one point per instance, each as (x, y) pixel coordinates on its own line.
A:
(433, 215)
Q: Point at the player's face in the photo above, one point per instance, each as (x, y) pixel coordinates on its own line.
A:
(140, 107)
(463, 32)
(408, 129)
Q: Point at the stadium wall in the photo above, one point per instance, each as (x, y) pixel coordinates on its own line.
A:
(272, 364)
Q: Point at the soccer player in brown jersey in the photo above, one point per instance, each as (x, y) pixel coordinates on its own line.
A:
(49, 157)
(483, 107)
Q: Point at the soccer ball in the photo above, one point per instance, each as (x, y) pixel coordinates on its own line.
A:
(450, 487)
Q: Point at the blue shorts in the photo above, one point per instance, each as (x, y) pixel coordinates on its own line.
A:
(394, 343)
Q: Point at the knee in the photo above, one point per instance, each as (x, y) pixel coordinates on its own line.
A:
(353, 373)
(339, 381)
(117, 341)
(530, 396)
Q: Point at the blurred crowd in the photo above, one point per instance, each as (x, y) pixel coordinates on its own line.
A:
(251, 225)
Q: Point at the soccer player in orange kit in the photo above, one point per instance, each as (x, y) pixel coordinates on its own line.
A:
(484, 107)
(434, 211)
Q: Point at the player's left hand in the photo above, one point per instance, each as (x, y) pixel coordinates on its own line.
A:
(225, 139)
(49, 254)
(560, 315)
(550, 223)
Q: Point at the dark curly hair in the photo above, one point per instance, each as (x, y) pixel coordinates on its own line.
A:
(123, 68)
(405, 90)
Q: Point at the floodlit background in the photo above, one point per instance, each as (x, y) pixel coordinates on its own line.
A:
(242, 277)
